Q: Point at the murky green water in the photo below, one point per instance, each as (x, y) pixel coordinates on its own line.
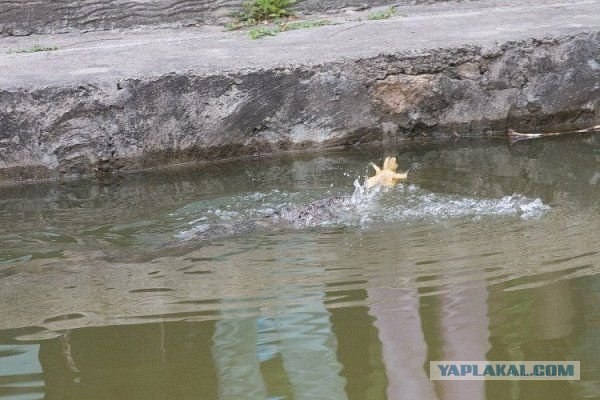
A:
(490, 253)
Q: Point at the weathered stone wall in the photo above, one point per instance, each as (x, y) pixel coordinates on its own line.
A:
(24, 17)
(84, 129)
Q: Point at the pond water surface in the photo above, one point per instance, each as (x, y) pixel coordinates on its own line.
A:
(490, 252)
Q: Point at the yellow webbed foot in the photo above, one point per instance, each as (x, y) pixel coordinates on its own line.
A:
(401, 176)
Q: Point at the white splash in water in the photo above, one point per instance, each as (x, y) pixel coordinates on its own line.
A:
(533, 209)
(361, 195)
(403, 203)
(414, 203)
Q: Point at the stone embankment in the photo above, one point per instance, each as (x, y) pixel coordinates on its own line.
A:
(133, 99)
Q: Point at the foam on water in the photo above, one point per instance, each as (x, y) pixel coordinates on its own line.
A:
(411, 203)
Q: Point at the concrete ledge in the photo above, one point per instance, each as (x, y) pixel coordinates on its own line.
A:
(148, 100)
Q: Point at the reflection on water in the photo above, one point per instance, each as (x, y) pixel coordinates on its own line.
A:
(489, 253)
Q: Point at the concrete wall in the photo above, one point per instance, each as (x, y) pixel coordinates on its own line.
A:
(82, 129)
(24, 17)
